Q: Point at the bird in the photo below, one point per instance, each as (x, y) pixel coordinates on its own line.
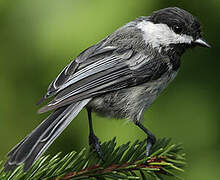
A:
(118, 77)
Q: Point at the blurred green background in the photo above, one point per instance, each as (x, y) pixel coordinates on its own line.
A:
(38, 38)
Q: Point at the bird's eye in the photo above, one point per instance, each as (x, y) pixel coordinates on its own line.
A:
(177, 29)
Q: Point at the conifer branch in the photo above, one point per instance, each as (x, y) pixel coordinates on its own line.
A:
(122, 162)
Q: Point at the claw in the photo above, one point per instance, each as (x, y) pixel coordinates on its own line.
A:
(95, 145)
(150, 142)
(151, 139)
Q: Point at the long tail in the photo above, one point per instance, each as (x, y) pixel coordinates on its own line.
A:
(37, 142)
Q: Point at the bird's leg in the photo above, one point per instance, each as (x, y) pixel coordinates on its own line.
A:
(151, 139)
(93, 140)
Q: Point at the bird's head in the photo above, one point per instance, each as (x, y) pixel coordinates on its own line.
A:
(172, 28)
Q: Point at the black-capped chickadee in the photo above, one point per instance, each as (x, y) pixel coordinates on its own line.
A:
(118, 77)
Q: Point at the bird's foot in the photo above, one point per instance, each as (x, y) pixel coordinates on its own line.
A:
(95, 145)
(151, 140)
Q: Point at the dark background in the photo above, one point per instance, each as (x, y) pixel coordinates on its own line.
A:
(38, 38)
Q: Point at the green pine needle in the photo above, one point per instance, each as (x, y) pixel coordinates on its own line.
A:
(122, 162)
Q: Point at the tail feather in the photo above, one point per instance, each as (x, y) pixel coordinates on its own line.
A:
(37, 142)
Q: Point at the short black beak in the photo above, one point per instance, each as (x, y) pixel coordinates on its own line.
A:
(201, 42)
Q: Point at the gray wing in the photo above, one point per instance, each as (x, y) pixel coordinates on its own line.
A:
(84, 59)
(99, 70)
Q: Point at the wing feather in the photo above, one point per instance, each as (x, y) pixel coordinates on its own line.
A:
(85, 59)
(107, 72)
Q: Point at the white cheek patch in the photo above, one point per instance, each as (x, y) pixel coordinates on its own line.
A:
(161, 35)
